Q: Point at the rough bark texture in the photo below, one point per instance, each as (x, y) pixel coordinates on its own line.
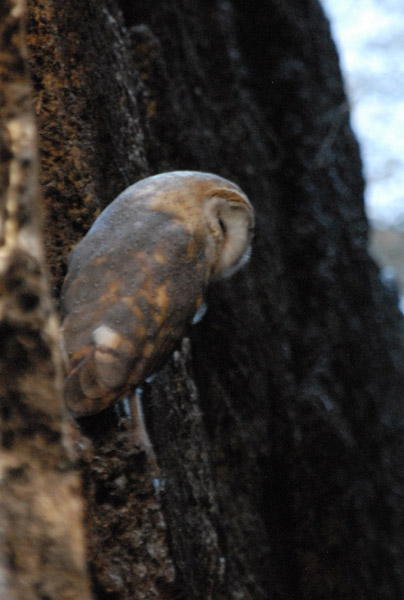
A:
(42, 545)
(278, 426)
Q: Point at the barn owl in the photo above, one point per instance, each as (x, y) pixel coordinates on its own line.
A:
(138, 277)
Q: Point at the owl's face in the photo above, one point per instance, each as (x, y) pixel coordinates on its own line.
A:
(230, 222)
(139, 275)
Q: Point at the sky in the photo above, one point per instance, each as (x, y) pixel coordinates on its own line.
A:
(369, 35)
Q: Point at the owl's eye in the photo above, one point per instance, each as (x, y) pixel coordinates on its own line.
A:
(222, 225)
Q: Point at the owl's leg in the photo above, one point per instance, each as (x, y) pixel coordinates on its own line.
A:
(141, 437)
(134, 403)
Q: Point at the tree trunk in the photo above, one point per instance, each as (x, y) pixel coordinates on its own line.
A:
(42, 546)
(277, 425)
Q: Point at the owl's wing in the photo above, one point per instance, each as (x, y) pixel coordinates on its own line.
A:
(125, 310)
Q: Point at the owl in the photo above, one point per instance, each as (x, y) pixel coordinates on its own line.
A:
(138, 277)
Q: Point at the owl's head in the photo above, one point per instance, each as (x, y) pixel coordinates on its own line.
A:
(209, 207)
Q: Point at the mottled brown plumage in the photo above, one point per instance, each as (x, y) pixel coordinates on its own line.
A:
(139, 275)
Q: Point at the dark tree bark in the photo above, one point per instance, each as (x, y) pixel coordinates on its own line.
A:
(277, 427)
